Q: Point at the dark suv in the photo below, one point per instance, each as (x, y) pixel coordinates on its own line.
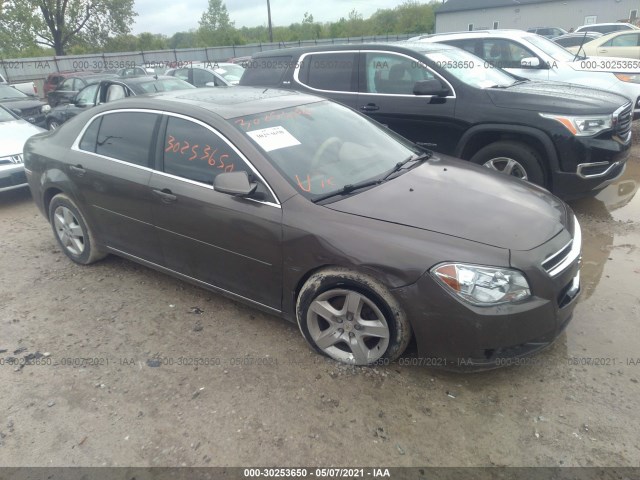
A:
(570, 139)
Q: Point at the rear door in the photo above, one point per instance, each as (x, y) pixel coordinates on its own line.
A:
(387, 80)
(228, 242)
(626, 45)
(111, 169)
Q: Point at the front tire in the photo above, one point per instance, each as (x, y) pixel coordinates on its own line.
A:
(72, 231)
(351, 318)
(512, 158)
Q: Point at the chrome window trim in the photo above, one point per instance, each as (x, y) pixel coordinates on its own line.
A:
(574, 253)
(301, 61)
(75, 146)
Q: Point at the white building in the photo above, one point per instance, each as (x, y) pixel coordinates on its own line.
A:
(460, 15)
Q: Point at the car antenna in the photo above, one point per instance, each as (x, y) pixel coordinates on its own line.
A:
(584, 37)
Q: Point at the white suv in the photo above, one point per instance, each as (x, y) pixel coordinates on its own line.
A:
(532, 56)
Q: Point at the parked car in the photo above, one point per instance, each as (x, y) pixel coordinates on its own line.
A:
(547, 32)
(14, 132)
(242, 61)
(25, 106)
(306, 209)
(71, 85)
(618, 44)
(28, 88)
(531, 56)
(209, 74)
(109, 90)
(605, 28)
(570, 139)
(134, 71)
(573, 41)
(54, 79)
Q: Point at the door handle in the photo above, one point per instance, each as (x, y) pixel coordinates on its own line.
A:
(603, 50)
(165, 195)
(369, 107)
(78, 170)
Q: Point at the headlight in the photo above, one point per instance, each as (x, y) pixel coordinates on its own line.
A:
(628, 77)
(45, 109)
(483, 286)
(583, 126)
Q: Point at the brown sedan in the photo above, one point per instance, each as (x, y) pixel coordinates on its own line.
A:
(306, 209)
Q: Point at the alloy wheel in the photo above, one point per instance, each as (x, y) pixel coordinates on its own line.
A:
(68, 230)
(508, 166)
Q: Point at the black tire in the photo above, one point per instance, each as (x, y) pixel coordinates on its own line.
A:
(378, 309)
(68, 222)
(527, 157)
(52, 124)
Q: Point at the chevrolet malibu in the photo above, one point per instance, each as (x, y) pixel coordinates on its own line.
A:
(308, 210)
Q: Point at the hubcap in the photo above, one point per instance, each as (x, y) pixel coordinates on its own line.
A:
(53, 125)
(68, 230)
(507, 166)
(348, 327)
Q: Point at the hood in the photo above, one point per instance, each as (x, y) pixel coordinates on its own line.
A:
(556, 97)
(460, 199)
(14, 134)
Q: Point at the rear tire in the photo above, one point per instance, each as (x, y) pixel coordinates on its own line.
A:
(512, 158)
(351, 318)
(72, 232)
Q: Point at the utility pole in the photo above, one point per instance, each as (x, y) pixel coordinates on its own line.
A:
(270, 27)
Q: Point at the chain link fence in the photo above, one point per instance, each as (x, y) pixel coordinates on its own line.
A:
(37, 69)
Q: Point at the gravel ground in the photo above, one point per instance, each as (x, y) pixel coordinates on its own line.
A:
(256, 395)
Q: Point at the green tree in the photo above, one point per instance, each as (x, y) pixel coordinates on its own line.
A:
(63, 23)
(215, 26)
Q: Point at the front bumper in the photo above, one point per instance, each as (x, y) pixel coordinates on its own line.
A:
(456, 335)
(12, 177)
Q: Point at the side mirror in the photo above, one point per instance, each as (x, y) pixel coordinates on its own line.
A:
(234, 183)
(530, 62)
(431, 88)
(210, 84)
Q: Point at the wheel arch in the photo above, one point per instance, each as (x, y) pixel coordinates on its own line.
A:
(482, 135)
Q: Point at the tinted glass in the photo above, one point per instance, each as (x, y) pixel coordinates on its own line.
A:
(202, 77)
(127, 136)
(331, 71)
(89, 139)
(161, 85)
(267, 71)
(505, 53)
(196, 153)
(393, 74)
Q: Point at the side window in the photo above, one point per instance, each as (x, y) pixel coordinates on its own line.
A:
(87, 95)
(471, 45)
(202, 77)
(505, 53)
(266, 71)
(627, 40)
(90, 137)
(181, 73)
(393, 74)
(333, 71)
(67, 84)
(196, 153)
(127, 136)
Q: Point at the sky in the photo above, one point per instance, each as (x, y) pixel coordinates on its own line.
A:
(171, 16)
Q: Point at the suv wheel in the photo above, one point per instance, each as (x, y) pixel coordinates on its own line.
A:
(512, 158)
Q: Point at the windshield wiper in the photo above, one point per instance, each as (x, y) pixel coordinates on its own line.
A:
(352, 187)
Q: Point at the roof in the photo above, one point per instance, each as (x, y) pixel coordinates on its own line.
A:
(231, 102)
(297, 51)
(462, 5)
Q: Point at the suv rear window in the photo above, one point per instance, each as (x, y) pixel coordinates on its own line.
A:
(334, 71)
(265, 71)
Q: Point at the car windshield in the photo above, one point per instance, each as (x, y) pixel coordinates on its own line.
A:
(7, 92)
(552, 49)
(5, 116)
(470, 69)
(229, 72)
(162, 85)
(322, 147)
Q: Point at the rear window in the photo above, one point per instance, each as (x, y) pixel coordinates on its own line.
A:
(334, 71)
(266, 71)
